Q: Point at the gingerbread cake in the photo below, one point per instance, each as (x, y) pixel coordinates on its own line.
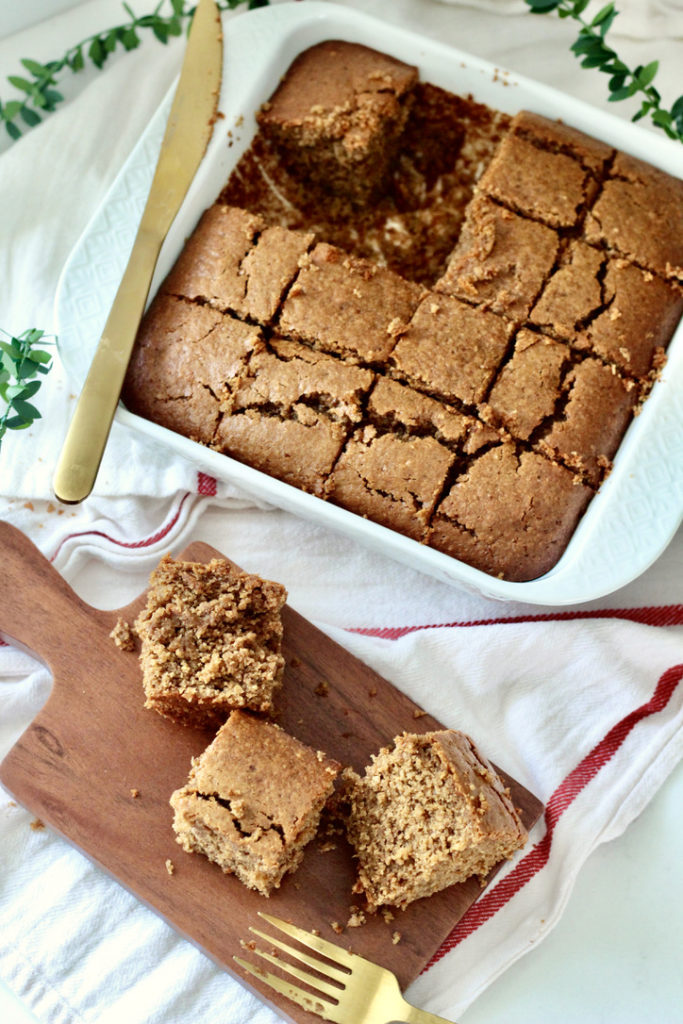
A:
(253, 801)
(211, 640)
(428, 812)
(432, 314)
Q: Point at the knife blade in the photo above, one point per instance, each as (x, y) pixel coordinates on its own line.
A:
(188, 130)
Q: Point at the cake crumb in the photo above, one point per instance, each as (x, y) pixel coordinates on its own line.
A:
(322, 689)
(135, 793)
(123, 635)
(396, 938)
(170, 866)
(336, 927)
(356, 919)
(37, 825)
(417, 713)
(387, 915)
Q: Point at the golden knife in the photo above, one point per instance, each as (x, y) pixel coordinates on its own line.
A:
(187, 134)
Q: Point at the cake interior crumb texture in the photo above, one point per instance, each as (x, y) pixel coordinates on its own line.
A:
(211, 640)
(253, 801)
(428, 812)
(381, 230)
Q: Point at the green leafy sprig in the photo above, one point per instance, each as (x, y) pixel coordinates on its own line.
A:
(22, 364)
(593, 52)
(37, 93)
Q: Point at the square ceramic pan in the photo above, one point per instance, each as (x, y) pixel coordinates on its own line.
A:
(639, 507)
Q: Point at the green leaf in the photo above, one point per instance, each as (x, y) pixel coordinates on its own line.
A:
(96, 52)
(20, 83)
(607, 24)
(178, 7)
(592, 62)
(130, 38)
(15, 423)
(30, 389)
(25, 409)
(590, 45)
(52, 98)
(542, 6)
(602, 15)
(40, 357)
(646, 74)
(13, 130)
(11, 109)
(77, 61)
(37, 69)
(110, 41)
(662, 118)
(161, 32)
(12, 348)
(624, 93)
(30, 117)
(32, 335)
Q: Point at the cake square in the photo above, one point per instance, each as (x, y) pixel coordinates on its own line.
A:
(237, 264)
(558, 137)
(208, 267)
(393, 480)
(253, 801)
(338, 114)
(292, 413)
(211, 638)
(394, 468)
(596, 407)
(501, 259)
(347, 305)
(639, 215)
(428, 813)
(549, 186)
(528, 387)
(510, 513)
(611, 308)
(186, 359)
(451, 349)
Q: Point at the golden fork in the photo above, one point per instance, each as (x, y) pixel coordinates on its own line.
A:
(350, 990)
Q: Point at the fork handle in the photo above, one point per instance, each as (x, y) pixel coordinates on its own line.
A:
(412, 1015)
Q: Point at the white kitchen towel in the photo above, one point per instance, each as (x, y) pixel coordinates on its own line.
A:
(585, 709)
(584, 706)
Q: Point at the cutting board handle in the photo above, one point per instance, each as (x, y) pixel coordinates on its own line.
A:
(36, 604)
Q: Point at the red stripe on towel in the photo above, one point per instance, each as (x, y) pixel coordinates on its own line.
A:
(561, 799)
(206, 485)
(661, 615)
(133, 545)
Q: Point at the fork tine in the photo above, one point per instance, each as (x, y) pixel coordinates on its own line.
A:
(310, 961)
(328, 949)
(296, 972)
(305, 999)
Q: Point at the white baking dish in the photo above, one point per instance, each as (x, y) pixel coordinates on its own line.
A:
(639, 507)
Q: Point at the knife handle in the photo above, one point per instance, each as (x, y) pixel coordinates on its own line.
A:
(89, 429)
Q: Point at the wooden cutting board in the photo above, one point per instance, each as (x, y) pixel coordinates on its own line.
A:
(93, 745)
